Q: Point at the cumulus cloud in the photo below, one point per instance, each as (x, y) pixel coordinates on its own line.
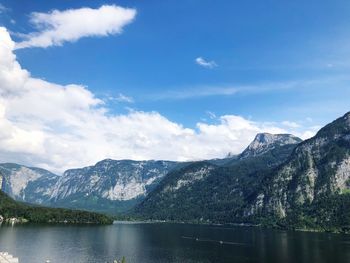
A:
(204, 63)
(56, 27)
(59, 127)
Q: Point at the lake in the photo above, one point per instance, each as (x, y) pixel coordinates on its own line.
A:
(161, 242)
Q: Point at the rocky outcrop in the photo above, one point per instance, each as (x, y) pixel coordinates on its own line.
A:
(265, 142)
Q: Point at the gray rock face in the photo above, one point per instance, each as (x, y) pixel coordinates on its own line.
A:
(28, 184)
(265, 142)
(112, 180)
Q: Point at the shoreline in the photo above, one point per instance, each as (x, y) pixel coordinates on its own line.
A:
(311, 230)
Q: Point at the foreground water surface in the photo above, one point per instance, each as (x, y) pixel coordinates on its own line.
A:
(144, 243)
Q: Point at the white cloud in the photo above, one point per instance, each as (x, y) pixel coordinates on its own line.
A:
(59, 127)
(56, 27)
(122, 98)
(290, 124)
(204, 63)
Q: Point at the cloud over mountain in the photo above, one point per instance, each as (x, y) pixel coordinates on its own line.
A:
(63, 126)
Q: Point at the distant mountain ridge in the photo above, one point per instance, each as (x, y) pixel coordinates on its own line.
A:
(109, 186)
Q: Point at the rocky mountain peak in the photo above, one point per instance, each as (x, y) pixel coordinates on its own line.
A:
(338, 128)
(264, 142)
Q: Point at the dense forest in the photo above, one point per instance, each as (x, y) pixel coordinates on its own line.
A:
(37, 214)
(219, 198)
(329, 213)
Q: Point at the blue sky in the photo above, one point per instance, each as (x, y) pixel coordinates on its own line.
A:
(254, 43)
(272, 61)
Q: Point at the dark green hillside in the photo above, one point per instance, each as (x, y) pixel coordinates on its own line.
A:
(37, 214)
(328, 213)
(218, 197)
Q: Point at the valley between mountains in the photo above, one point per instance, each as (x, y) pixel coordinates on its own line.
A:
(278, 180)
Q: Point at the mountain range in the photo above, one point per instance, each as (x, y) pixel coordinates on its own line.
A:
(109, 186)
(293, 183)
(278, 179)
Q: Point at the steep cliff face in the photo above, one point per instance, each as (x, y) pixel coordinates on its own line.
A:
(111, 179)
(317, 168)
(28, 184)
(110, 185)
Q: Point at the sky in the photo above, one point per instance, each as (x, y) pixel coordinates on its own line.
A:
(81, 81)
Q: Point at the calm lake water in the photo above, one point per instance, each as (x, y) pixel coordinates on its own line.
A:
(144, 243)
